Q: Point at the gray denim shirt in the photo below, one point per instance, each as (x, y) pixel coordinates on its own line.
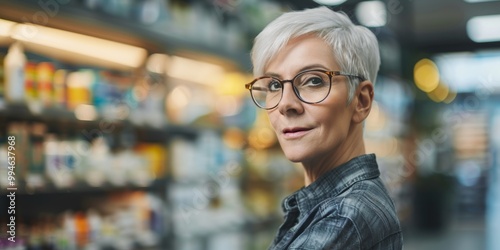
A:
(346, 208)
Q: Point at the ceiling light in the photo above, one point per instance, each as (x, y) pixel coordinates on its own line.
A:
(5, 30)
(482, 29)
(371, 13)
(79, 47)
(5, 27)
(330, 2)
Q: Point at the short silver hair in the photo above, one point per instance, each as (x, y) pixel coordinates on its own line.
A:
(355, 47)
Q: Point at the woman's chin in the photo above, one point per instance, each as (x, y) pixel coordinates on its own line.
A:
(294, 157)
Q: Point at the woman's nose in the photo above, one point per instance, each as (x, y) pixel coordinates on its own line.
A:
(290, 102)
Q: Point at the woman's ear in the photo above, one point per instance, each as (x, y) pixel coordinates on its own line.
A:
(363, 101)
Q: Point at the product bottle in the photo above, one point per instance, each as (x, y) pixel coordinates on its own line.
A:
(60, 88)
(30, 89)
(44, 79)
(79, 88)
(94, 224)
(36, 170)
(14, 73)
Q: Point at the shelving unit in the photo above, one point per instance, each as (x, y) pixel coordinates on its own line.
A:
(43, 209)
(48, 199)
(60, 117)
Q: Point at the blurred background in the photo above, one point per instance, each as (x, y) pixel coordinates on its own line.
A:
(132, 129)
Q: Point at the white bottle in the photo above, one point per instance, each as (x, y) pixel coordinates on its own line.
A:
(14, 73)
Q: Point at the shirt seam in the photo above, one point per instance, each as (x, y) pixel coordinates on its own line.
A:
(348, 185)
(358, 234)
(390, 235)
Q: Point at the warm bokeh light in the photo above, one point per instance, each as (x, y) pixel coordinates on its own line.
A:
(440, 93)
(426, 75)
(261, 137)
(233, 84)
(228, 105)
(234, 138)
(450, 97)
(377, 118)
(195, 71)
(179, 98)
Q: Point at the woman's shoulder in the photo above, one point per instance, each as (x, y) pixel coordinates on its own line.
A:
(366, 204)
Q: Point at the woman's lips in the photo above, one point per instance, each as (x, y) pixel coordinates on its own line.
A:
(294, 133)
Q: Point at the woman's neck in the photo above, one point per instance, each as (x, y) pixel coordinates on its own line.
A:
(352, 146)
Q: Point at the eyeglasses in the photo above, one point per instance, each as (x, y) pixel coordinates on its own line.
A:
(310, 86)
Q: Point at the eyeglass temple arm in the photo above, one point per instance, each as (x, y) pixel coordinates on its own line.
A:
(338, 73)
(251, 87)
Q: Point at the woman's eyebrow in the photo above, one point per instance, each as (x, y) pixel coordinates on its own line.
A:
(308, 67)
(273, 74)
(312, 66)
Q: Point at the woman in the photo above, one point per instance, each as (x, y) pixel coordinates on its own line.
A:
(315, 72)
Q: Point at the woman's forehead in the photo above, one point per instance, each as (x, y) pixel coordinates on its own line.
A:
(300, 54)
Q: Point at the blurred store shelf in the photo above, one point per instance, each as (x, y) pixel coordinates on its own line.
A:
(74, 16)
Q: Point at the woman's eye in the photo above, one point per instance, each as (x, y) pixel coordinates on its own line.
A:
(274, 86)
(314, 81)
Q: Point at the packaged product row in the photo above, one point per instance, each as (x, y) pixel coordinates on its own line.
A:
(121, 220)
(46, 158)
(90, 92)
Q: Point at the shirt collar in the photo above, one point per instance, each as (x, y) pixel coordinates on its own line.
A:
(332, 183)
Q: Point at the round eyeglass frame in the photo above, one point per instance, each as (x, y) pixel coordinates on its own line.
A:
(330, 74)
